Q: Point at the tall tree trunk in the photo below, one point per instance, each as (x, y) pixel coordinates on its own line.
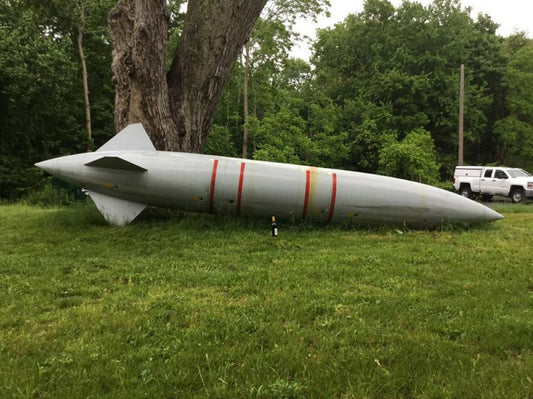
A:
(139, 31)
(245, 100)
(85, 78)
(213, 35)
(176, 109)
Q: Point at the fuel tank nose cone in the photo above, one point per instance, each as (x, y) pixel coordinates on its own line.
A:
(49, 166)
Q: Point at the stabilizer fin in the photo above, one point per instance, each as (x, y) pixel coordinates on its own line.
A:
(117, 212)
(115, 163)
(132, 138)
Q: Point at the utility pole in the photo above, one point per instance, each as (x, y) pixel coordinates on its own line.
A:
(461, 116)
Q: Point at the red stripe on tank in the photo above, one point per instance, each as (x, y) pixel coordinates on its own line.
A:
(212, 188)
(239, 193)
(307, 188)
(333, 197)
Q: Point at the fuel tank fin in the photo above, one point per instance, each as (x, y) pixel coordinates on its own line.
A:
(116, 211)
(131, 138)
(115, 163)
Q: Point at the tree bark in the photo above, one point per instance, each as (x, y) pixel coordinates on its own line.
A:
(177, 108)
(139, 30)
(213, 35)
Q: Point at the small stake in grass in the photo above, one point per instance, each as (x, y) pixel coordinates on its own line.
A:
(274, 227)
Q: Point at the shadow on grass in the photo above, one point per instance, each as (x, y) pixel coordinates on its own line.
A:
(75, 215)
(86, 214)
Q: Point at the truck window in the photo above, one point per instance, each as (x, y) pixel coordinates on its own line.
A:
(518, 173)
(500, 174)
(488, 173)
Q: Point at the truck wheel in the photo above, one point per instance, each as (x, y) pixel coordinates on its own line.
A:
(465, 191)
(517, 195)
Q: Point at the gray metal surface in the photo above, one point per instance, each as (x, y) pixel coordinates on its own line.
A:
(127, 173)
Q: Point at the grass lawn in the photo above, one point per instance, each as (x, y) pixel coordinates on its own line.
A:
(210, 307)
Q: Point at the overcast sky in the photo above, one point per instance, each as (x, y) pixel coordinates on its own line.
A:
(511, 15)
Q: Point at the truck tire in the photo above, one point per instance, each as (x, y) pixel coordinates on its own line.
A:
(464, 191)
(517, 195)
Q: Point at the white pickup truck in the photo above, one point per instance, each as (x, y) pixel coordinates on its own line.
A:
(487, 181)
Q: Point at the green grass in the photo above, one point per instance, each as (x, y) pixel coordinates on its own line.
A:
(196, 306)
